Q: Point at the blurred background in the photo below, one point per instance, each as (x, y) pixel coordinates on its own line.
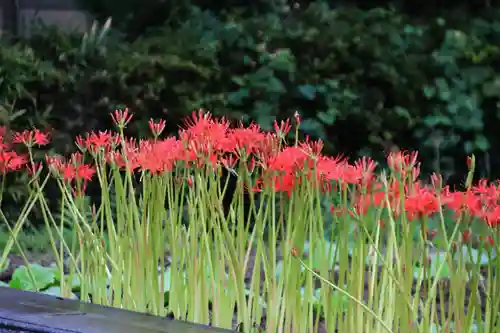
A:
(367, 76)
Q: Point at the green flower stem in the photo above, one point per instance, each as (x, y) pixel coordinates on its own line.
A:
(18, 225)
(345, 293)
(118, 251)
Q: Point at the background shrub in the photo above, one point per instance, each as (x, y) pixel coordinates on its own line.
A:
(365, 80)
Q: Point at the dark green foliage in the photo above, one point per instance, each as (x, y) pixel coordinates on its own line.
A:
(363, 80)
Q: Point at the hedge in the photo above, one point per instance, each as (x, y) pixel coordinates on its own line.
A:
(365, 81)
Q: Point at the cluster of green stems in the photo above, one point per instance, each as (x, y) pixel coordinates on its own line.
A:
(118, 253)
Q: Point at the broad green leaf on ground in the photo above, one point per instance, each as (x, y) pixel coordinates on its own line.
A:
(167, 276)
(56, 291)
(42, 278)
(75, 280)
(340, 301)
(473, 256)
(435, 328)
(327, 255)
(279, 269)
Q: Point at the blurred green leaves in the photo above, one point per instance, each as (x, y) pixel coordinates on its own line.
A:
(362, 80)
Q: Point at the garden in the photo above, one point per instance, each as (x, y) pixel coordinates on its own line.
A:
(308, 243)
(338, 174)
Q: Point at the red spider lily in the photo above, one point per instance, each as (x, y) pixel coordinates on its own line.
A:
(375, 197)
(229, 162)
(205, 135)
(350, 174)
(290, 160)
(483, 187)
(81, 143)
(279, 169)
(282, 171)
(30, 138)
(421, 202)
(95, 142)
(297, 117)
(203, 125)
(490, 214)
(127, 157)
(156, 127)
(245, 141)
(84, 172)
(283, 128)
(365, 167)
(401, 162)
(73, 171)
(331, 168)
(160, 156)
(481, 201)
(3, 145)
(198, 119)
(461, 202)
(34, 169)
(205, 141)
(366, 201)
(121, 118)
(437, 181)
(68, 172)
(56, 161)
(489, 193)
(199, 155)
(312, 148)
(469, 162)
(11, 161)
(277, 183)
(269, 147)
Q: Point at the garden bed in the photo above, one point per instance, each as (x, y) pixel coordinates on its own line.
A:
(367, 252)
(47, 260)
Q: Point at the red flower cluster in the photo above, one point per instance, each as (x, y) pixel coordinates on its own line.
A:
(207, 142)
(72, 171)
(9, 159)
(30, 138)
